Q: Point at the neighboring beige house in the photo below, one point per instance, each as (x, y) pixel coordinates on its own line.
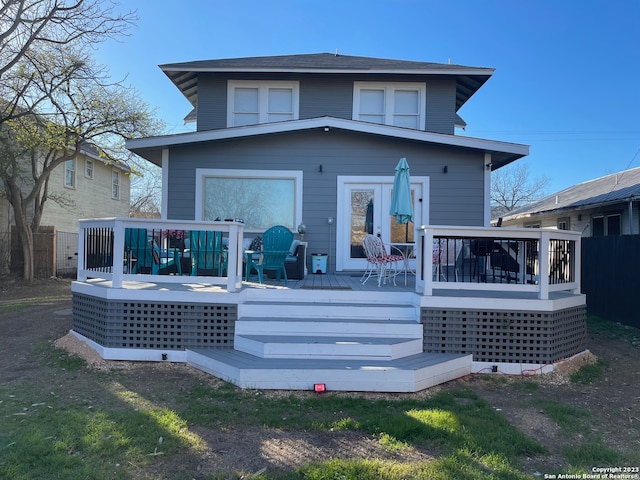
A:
(605, 206)
(85, 187)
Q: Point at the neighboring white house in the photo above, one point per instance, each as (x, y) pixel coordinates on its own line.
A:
(601, 207)
(84, 187)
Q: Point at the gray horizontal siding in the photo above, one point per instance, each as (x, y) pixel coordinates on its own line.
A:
(456, 197)
(321, 96)
(212, 103)
(441, 101)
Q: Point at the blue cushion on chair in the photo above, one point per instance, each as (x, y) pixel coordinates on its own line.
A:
(293, 248)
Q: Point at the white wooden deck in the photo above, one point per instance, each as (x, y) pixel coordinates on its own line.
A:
(326, 328)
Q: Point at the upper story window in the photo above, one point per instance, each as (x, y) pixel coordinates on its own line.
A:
(115, 184)
(88, 168)
(70, 173)
(397, 104)
(253, 102)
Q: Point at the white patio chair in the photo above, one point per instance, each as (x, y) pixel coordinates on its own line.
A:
(384, 265)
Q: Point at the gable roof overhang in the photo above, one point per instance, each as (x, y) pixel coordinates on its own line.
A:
(502, 153)
(185, 74)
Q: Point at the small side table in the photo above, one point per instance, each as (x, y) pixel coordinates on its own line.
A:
(408, 250)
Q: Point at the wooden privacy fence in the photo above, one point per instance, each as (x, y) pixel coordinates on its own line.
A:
(610, 277)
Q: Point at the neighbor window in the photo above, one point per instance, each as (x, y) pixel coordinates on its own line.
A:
(250, 103)
(613, 225)
(606, 225)
(563, 223)
(115, 184)
(597, 226)
(262, 198)
(397, 104)
(88, 168)
(70, 174)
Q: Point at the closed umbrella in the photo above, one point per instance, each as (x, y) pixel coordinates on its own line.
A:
(401, 202)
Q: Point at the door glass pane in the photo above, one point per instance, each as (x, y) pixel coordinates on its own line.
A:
(402, 233)
(362, 216)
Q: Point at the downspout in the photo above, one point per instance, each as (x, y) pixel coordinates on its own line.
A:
(630, 216)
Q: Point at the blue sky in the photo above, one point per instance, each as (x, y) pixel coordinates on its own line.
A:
(567, 79)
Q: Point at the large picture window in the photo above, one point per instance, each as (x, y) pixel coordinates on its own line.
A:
(261, 198)
(250, 103)
(397, 104)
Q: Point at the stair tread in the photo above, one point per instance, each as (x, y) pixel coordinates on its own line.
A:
(328, 304)
(240, 359)
(327, 320)
(316, 339)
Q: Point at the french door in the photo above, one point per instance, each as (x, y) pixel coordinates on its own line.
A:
(363, 208)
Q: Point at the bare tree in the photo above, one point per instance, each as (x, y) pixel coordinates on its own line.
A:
(26, 26)
(66, 104)
(513, 186)
(146, 190)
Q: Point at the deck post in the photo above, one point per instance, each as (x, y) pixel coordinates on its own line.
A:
(118, 253)
(543, 287)
(234, 262)
(576, 263)
(82, 266)
(427, 261)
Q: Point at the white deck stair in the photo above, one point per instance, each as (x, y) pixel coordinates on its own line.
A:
(295, 342)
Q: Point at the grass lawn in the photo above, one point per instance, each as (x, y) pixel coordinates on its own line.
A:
(62, 419)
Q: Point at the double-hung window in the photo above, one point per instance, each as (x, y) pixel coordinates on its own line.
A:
(88, 168)
(115, 184)
(261, 198)
(70, 173)
(252, 102)
(397, 104)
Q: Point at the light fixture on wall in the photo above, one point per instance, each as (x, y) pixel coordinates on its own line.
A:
(302, 229)
(445, 169)
(488, 166)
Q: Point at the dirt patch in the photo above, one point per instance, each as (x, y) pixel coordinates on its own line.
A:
(611, 403)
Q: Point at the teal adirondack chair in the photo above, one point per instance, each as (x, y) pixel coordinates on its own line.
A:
(208, 256)
(149, 258)
(276, 242)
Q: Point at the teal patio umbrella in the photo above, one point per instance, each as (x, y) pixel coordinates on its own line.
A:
(401, 202)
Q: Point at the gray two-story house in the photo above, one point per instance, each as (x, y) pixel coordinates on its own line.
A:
(311, 142)
(313, 137)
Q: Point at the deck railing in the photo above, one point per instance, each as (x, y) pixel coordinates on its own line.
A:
(149, 250)
(498, 259)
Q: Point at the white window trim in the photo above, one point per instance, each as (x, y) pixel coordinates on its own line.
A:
(117, 172)
(88, 161)
(262, 86)
(203, 173)
(75, 172)
(389, 88)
